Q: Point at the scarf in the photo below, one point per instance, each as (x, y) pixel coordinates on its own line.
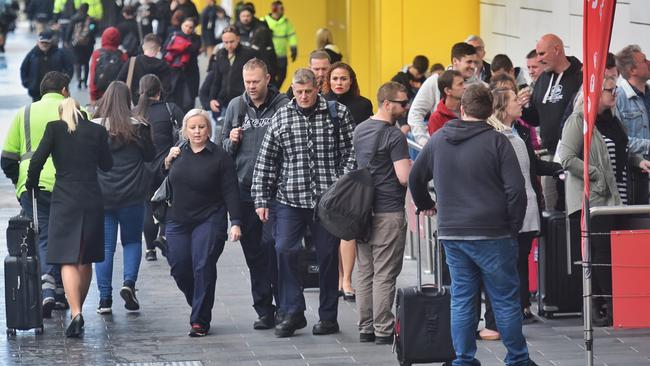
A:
(609, 126)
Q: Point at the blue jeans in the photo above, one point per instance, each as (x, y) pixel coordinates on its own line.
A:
(130, 221)
(290, 227)
(494, 263)
(50, 273)
(192, 253)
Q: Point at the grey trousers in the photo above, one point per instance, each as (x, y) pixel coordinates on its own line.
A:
(379, 262)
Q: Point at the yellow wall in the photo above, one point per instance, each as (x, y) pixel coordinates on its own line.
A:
(378, 37)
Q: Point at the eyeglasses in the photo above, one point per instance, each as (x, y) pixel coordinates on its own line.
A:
(402, 103)
(611, 90)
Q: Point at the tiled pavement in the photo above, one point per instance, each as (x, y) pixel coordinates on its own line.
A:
(157, 334)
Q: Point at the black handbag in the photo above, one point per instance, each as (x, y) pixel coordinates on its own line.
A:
(161, 201)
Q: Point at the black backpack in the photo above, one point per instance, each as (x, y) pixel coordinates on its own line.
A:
(107, 68)
(345, 208)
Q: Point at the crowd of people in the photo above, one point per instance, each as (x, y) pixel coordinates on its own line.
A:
(493, 141)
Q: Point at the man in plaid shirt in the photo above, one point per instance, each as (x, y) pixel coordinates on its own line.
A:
(304, 151)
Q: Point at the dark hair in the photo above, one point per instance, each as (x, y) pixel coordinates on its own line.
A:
(54, 82)
(611, 61)
(354, 86)
(462, 49)
(531, 54)
(115, 107)
(275, 5)
(421, 63)
(437, 67)
(230, 29)
(497, 81)
(388, 91)
(446, 80)
(129, 10)
(149, 87)
(262, 40)
(177, 18)
(249, 8)
(477, 101)
(83, 8)
(319, 55)
(502, 62)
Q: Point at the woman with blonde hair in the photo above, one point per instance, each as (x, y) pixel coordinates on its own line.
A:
(76, 230)
(205, 190)
(325, 42)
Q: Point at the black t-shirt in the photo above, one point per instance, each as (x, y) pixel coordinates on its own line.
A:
(389, 193)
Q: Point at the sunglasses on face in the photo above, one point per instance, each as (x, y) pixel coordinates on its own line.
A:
(402, 103)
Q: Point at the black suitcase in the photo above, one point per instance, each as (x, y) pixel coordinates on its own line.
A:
(308, 263)
(20, 227)
(23, 283)
(558, 290)
(423, 318)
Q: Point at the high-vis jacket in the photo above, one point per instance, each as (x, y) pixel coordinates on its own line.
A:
(283, 34)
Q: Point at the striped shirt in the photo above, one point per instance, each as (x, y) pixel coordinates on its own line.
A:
(621, 183)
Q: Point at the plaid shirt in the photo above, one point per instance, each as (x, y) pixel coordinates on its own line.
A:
(298, 160)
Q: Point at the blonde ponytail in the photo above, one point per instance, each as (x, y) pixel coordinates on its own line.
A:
(69, 113)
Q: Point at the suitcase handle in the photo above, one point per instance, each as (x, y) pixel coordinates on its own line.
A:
(438, 266)
(35, 213)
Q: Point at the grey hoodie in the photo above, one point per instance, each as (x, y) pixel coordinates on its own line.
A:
(477, 179)
(254, 123)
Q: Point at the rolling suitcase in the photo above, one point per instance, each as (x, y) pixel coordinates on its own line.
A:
(20, 227)
(423, 317)
(560, 281)
(23, 282)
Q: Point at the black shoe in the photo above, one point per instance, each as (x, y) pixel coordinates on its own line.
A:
(279, 317)
(198, 330)
(324, 327)
(61, 303)
(528, 317)
(350, 296)
(105, 306)
(384, 339)
(48, 306)
(161, 243)
(128, 294)
(75, 328)
(366, 337)
(265, 322)
(151, 255)
(290, 323)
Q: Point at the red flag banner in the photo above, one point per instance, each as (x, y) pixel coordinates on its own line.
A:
(596, 33)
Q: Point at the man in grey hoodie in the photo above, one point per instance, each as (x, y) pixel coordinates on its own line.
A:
(481, 202)
(245, 124)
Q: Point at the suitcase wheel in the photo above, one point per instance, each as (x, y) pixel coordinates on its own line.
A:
(549, 314)
(11, 332)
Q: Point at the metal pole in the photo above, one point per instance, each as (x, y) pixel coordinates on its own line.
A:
(408, 253)
(417, 241)
(428, 234)
(586, 287)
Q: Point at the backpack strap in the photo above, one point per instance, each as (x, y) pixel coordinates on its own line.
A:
(28, 135)
(375, 147)
(243, 110)
(129, 74)
(336, 123)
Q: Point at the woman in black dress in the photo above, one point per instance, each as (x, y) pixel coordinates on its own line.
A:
(76, 231)
(341, 85)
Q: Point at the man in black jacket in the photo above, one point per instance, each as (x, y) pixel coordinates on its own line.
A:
(43, 58)
(245, 124)
(481, 206)
(228, 82)
(147, 63)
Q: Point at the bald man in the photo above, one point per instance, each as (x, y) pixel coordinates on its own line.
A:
(552, 100)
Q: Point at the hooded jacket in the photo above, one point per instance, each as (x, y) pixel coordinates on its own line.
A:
(254, 123)
(552, 102)
(228, 81)
(110, 42)
(146, 65)
(440, 116)
(478, 183)
(38, 63)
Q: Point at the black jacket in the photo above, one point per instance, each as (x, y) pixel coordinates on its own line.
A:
(477, 180)
(246, 32)
(228, 81)
(37, 63)
(548, 106)
(146, 65)
(130, 33)
(128, 182)
(360, 108)
(254, 122)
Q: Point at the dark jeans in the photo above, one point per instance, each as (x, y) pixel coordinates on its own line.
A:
(192, 252)
(260, 258)
(525, 241)
(50, 273)
(282, 71)
(290, 227)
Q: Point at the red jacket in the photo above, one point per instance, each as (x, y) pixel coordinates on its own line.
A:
(440, 116)
(110, 42)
